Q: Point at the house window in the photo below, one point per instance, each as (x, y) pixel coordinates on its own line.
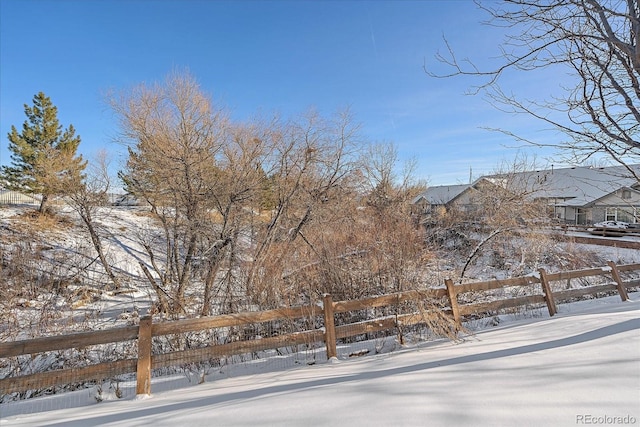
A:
(626, 194)
(630, 214)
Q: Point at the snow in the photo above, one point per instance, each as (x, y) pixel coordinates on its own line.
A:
(581, 366)
(541, 371)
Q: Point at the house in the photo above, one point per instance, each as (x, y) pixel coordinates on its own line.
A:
(575, 195)
(463, 196)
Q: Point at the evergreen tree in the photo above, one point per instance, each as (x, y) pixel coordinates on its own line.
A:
(43, 156)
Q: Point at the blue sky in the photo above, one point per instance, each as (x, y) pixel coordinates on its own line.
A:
(270, 56)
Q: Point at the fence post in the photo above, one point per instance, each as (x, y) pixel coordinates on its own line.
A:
(329, 327)
(548, 295)
(143, 372)
(453, 302)
(619, 283)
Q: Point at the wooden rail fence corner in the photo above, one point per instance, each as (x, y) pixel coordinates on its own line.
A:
(618, 279)
(453, 302)
(548, 294)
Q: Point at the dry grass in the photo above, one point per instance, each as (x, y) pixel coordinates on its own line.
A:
(36, 221)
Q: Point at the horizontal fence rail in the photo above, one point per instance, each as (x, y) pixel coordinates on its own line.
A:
(61, 342)
(452, 300)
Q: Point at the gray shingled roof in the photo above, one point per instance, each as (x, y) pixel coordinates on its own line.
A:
(581, 186)
(441, 194)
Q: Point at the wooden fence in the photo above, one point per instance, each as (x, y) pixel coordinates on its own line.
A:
(329, 334)
(606, 239)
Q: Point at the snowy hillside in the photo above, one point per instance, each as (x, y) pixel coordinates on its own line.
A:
(70, 291)
(450, 384)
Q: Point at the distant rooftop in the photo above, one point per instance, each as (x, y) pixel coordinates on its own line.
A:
(576, 186)
(441, 194)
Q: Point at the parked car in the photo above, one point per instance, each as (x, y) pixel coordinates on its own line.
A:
(611, 224)
(609, 228)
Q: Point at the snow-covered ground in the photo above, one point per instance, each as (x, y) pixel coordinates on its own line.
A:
(581, 367)
(559, 371)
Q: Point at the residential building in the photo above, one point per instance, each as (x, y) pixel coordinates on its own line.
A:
(576, 195)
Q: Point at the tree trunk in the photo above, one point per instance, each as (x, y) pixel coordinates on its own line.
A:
(97, 244)
(160, 293)
(43, 203)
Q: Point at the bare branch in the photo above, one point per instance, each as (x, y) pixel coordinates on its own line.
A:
(595, 42)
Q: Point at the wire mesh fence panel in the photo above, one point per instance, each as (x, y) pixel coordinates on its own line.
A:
(384, 328)
(92, 374)
(206, 355)
(631, 278)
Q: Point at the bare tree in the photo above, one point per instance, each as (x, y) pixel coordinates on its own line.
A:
(386, 183)
(493, 217)
(593, 41)
(311, 173)
(362, 242)
(175, 136)
(261, 213)
(86, 198)
(225, 193)
(237, 199)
